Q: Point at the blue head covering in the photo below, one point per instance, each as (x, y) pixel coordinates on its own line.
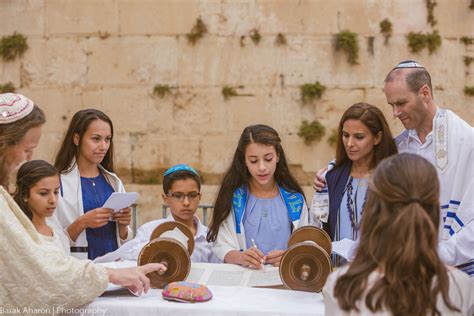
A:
(180, 167)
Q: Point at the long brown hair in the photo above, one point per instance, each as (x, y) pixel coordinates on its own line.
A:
(399, 237)
(79, 124)
(373, 118)
(12, 133)
(28, 175)
(238, 174)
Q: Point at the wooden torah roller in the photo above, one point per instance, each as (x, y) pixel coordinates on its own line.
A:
(306, 264)
(168, 246)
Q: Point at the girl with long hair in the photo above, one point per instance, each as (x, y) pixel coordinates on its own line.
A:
(364, 140)
(37, 190)
(259, 202)
(85, 161)
(396, 269)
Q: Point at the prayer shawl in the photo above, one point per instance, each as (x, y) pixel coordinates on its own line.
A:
(231, 232)
(453, 146)
(37, 274)
(70, 207)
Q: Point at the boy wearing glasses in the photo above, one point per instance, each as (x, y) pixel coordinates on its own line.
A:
(182, 187)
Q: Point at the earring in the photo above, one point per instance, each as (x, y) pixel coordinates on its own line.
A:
(25, 200)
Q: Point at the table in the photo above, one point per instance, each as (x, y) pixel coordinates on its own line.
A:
(226, 300)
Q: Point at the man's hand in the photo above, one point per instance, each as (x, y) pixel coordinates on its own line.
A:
(319, 181)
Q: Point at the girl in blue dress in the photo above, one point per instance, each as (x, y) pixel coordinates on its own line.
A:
(259, 202)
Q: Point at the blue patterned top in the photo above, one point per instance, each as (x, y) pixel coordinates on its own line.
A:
(95, 191)
(268, 223)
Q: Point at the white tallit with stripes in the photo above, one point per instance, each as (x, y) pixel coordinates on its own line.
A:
(451, 150)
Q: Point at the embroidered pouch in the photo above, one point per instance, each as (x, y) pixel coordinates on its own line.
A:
(186, 292)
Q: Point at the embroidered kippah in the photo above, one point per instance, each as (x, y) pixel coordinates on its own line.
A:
(186, 292)
(14, 107)
(180, 167)
(408, 64)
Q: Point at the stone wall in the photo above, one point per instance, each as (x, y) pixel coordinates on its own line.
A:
(109, 54)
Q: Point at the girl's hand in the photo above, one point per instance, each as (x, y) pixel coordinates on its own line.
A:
(96, 218)
(123, 217)
(253, 258)
(274, 257)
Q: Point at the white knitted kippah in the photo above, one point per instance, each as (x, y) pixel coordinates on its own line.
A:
(408, 64)
(14, 107)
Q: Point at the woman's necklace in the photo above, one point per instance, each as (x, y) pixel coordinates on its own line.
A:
(93, 190)
(351, 205)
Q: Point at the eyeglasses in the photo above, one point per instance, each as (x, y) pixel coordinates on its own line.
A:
(179, 196)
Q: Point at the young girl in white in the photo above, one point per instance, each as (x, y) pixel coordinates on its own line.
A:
(37, 190)
(259, 203)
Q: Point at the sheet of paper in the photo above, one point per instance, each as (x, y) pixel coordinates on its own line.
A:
(233, 275)
(120, 200)
(343, 248)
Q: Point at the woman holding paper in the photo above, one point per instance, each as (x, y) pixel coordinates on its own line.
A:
(85, 162)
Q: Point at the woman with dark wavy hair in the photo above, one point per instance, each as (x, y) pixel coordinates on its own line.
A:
(397, 270)
(363, 141)
(259, 202)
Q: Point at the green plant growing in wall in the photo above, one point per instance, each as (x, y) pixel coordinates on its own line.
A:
(332, 139)
(280, 40)
(433, 41)
(229, 92)
(255, 36)
(197, 32)
(468, 60)
(469, 91)
(161, 90)
(311, 91)
(418, 41)
(430, 5)
(311, 132)
(466, 40)
(386, 29)
(7, 87)
(13, 46)
(347, 42)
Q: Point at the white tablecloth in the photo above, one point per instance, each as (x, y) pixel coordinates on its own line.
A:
(226, 301)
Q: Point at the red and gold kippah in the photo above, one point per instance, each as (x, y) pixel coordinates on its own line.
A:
(14, 107)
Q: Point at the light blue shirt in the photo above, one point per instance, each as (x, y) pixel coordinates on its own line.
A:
(267, 222)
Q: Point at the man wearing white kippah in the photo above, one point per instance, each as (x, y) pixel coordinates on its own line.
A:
(445, 140)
